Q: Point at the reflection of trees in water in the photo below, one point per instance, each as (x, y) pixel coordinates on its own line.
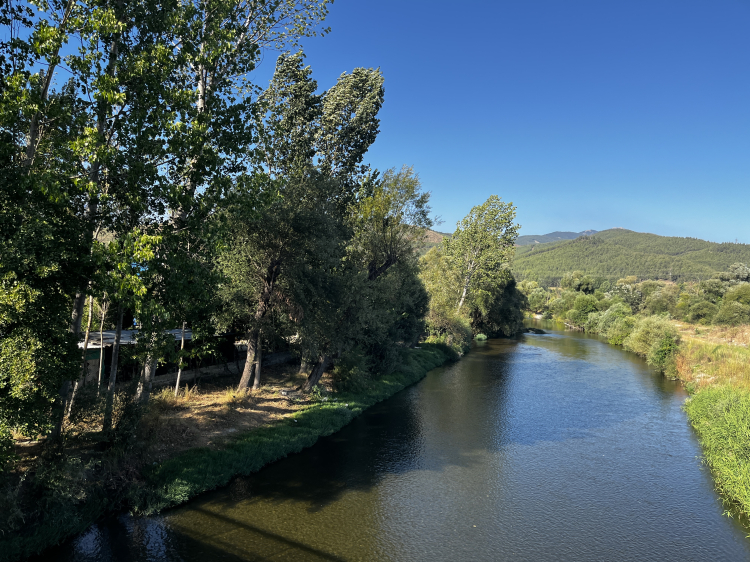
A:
(459, 403)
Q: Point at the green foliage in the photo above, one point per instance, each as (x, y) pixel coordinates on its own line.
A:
(563, 303)
(351, 373)
(662, 352)
(42, 260)
(586, 303)
(702, 312)
(620, 329)
(630, 294)
(576, 318)
(504, 316)
(480, 251)
(538, 300)
(738, 293)
(732, 313)
(654, 338)
(470, 287)
(661, 299)
(577, 281)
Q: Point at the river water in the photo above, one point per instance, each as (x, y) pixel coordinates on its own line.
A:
(545, 447)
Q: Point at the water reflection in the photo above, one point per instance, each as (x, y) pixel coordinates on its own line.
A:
(552, 446)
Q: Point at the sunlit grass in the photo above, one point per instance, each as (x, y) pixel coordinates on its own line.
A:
(721, 417)
(703, 364)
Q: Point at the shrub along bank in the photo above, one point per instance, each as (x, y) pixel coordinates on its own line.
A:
(198, 470)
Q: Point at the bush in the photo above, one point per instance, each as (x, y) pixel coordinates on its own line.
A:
(629, 294)
(608, 318)
(654, 338)
(592, 322)
(480, 337)
(538, 300)
(563, 304)
(620, 329)
(739, 293)
(662, 351)
(702, 312)
(576, 318)
(351, 373)
(450, 329)
(586, 304)
(733, 314)
(663, 300)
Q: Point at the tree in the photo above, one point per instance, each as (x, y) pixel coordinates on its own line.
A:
(390, 221)
(482, 247)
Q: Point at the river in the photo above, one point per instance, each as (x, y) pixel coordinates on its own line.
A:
(545, 447)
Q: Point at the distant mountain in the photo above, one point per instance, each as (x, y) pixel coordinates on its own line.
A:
(551, 237)
(618, 252)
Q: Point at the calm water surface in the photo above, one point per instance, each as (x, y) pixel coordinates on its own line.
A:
(548, 447)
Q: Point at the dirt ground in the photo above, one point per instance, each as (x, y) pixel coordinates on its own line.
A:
(213, 412)
(205, 414)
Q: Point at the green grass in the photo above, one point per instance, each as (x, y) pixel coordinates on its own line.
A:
(188, 474)
(721, 418)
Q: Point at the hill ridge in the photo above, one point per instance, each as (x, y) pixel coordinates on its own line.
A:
(617, 253)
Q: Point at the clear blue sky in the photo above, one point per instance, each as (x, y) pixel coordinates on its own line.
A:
(584, 114)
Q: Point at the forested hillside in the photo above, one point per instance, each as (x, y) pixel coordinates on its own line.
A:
(617, 253)
(532, 239)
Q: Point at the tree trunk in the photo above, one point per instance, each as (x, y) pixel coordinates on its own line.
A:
(107, 424)
(179, 367)
(101, 346)
(82, 378)
(465, 291)
(317, 371)
(247, 372)
(60, 406)
(147, 380)
(304, 368)
(272, 274)
(258, 363)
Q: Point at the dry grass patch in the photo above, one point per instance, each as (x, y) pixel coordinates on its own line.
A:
(733, 335)
(212, 414)
(703, 364)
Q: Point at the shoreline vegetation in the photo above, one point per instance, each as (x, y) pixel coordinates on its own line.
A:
(698, 333)
(183, 476)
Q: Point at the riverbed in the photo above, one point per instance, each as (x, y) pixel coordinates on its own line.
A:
(554, 446)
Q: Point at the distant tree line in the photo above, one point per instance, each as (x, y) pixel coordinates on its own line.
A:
(626, 307)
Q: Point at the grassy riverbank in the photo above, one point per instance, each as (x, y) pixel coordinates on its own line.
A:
(718, 378)
(80, 500)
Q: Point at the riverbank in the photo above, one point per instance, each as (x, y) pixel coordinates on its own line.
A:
(717, 375)
(151, 488)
